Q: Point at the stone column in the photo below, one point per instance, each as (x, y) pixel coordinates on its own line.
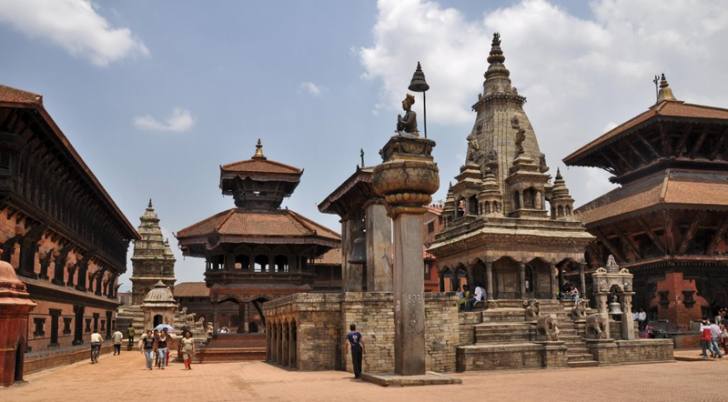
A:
(561, 277)
(378, 240)
(272, 263)
(229, 262)
(582, 279)
(352, 277)
(489, 278)
(406, 180)
(627, 322)
(604, 312)
(522, 279)
(552, 273)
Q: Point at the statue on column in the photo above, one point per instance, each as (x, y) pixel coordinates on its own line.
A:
(408, 122)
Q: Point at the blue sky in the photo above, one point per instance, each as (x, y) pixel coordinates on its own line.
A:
(318, 80)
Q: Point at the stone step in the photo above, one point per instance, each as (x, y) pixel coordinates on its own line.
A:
(578, 356)
(582, 363)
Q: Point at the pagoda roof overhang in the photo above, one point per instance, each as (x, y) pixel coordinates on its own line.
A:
(239, 226)
(259, 170)
(24, 100)
(668, 189)
(695, 263)
(665, 111)
(351, 195)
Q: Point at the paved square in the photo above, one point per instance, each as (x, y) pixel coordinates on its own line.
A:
(124, 378)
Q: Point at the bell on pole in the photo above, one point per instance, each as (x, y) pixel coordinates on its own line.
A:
(418, 84)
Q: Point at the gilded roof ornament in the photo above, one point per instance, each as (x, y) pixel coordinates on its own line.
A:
(259, 151)
(665, 93)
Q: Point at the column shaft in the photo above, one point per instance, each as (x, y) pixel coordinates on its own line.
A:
(409, 306)
(489, 278)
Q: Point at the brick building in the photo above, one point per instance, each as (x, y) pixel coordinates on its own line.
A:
(59, 229)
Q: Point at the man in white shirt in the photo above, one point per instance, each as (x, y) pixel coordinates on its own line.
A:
(478, 295)
(116, 337)
(96, 341)
(642, 319)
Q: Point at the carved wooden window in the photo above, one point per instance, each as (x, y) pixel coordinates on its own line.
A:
(39, 324)
(688, 299)
(664, 301)
(67, 325)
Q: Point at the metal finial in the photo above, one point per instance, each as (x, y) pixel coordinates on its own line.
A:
(361, 155)
(150, 203)
(259, 150)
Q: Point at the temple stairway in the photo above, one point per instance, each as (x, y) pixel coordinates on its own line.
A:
(502, 338)
(232, 347)
(577, 354)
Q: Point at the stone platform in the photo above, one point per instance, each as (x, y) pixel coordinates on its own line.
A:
(390, 379)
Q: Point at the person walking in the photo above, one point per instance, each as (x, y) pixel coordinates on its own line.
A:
(715, 333)
(641, 319)
(162, 349)
(146, 345)
(155, 335)
(357, 349)
(706, 338)
(96, 341)
(130, 336)
(116, 337)
(188, 349)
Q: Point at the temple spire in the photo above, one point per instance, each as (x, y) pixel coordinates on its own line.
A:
(259, 151)
(150, 203)
(665, 93)
(496, 77)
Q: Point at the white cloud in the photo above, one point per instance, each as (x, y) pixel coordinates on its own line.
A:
(579, 75)
(74, 25)
(310, 88)
(180, 120)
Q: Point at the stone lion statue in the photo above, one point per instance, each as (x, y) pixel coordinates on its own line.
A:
(596, 327)
(579, 310)
(532, 309)
(547, 328)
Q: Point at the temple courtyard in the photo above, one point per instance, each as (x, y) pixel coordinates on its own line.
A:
(125, 378)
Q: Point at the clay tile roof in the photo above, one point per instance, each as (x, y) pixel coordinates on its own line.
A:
(239, 222)
(191, 289)
(331, 257)
(670, 188)
(13, 95)
(261, 166)
(675, 109)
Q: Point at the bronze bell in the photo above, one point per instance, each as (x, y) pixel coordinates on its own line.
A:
(358, 254)
(615, 308)
(418, 83)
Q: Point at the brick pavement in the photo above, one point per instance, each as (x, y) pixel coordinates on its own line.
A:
(125, 378)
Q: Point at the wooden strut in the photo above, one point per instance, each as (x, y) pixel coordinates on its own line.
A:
(699, 142)
(719, 145)
(665, 139)
(719, 234)
(651, 234)
(636, 151)
(683, 140)
(647, 145)
(690, 233)
(630, 242)
(603, 239)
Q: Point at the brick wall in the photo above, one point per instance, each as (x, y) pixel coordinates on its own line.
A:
(322, 321)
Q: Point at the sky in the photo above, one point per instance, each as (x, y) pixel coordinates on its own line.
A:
(155, 95)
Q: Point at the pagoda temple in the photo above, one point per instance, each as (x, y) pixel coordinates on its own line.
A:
(667, 221)
(500, 233)
(257, 251)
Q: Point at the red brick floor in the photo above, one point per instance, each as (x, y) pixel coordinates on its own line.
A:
(124, 378)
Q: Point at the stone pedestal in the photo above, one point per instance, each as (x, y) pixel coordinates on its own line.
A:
(554, 354)
(15, 305)
(406, 180)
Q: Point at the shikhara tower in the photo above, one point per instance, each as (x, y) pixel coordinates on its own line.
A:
(508, 227)
(153, 260)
